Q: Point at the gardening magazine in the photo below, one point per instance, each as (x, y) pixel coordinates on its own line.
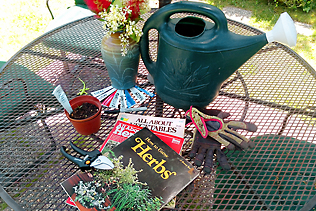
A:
(147, 175)
(170, 130)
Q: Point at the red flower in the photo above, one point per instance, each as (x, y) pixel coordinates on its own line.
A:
(134, 5)
(97, 6)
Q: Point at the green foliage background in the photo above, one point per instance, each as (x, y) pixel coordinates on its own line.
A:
(305, 5)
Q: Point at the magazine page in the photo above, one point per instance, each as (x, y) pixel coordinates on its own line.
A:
(76, 182)
(171, 126)
(170, 130)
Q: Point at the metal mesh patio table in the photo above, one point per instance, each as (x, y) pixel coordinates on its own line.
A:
(274, 89)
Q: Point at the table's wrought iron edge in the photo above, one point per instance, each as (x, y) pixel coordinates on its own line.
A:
(243, 25)
(9, 200)
(310, 204)
(300, 59)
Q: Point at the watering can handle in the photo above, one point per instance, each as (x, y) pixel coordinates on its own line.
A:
(162, 16)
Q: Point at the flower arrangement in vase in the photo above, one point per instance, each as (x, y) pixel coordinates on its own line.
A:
(120, 16)
(119, 46)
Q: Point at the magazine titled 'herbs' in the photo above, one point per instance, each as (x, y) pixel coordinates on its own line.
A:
(147, 175)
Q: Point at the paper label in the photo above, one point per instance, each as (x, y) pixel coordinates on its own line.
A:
(145, 91)
(101, 91)
(138, 95)
(129, 100)
(62, 98)
(106, 94)
(122, 98)
(115, 101)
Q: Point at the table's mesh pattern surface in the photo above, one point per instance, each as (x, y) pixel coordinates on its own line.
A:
(274, 90)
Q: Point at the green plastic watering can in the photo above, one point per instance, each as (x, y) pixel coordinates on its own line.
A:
(196, 56)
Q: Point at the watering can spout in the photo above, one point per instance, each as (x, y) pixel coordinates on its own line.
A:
(283, 31)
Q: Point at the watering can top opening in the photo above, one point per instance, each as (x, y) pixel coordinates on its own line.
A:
(191, 27)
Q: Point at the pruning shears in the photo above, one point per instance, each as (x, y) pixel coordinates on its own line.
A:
(93, 159)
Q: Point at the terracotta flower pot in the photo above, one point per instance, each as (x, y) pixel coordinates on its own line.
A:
(91, 124)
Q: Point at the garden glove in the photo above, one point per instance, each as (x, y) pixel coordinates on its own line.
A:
(204, 149)
(211, 131)
(223, 132)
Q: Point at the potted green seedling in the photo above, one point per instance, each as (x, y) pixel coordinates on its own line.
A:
(86, 115)
(84, 111)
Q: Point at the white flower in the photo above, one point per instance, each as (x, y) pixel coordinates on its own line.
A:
(116, 21)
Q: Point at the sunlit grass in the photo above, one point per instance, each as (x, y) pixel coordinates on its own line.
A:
(21, 21)
(306, 47)
(265, 15)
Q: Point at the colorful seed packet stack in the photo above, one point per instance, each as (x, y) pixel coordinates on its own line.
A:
(112, 98)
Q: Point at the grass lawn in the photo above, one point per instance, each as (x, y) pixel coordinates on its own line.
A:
(264, 16)
(21, 21)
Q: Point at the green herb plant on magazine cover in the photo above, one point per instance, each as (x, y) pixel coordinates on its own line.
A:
(119, 46)
(196, 56)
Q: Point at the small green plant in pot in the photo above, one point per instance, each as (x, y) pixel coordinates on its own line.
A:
(84, 123)
(86, 115)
